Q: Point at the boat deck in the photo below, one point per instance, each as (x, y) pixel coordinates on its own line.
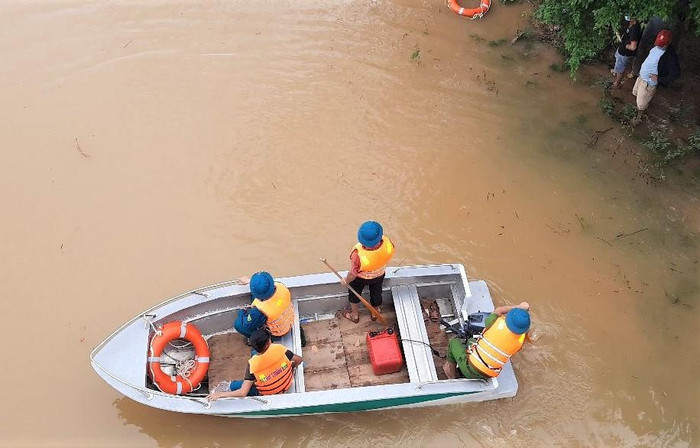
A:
(438, 338)
(229, 358)
(336, 353)
(336, 356)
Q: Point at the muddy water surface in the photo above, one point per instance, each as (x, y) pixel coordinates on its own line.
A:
(149, 149)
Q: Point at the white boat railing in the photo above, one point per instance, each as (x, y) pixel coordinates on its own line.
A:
(422, 266)
(420, 386)
(150, 394)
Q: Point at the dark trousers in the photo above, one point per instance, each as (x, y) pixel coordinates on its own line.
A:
(375, 290)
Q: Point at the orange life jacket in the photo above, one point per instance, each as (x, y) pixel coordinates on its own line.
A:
(494, 348)
(278, 309)
(272, 370)
(374, 262)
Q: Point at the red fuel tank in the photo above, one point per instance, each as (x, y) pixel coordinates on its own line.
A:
(384, 351)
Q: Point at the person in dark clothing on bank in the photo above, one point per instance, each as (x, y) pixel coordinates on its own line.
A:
(627, 49)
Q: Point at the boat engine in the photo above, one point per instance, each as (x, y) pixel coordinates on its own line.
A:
(475, 324)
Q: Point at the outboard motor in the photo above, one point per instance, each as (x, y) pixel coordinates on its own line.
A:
(475, 324)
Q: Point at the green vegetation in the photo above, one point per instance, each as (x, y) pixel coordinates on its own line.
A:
(629, 112)
(667, 151)
(658, 142)
(496, 43)
(607, 105)
(694, 140)
(415, 56)
(587, 26)
(682, 113)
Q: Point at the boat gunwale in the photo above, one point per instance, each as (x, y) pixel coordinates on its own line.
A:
(201, 291)
(401, 389)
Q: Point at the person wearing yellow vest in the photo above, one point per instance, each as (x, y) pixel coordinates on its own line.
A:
(273, 300)
(270, 370)
(485, 355)
(368, 261)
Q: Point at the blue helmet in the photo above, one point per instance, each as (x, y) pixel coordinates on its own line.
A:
(518, 320)
(262, 285)
(370, 234)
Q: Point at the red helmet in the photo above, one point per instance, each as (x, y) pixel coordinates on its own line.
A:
(663, 38)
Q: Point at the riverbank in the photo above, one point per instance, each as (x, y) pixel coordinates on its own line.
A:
(604, 142)
(666, 144)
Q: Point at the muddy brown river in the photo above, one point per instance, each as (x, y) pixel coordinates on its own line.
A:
(149, 148)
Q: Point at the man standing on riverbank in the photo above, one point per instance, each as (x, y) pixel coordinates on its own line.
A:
(627, 49)
(658, 67)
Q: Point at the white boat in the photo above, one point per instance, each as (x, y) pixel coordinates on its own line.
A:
(336, 374)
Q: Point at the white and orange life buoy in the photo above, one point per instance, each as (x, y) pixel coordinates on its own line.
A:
(178, 384)
(473, 13)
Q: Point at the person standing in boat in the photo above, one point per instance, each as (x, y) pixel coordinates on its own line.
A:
(270, 371)
(368, 261)
(272, 306)
(483, 356)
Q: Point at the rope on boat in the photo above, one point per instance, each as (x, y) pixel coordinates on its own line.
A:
(183, 367)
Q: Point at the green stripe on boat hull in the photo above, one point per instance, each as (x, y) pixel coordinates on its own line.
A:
(356, 406)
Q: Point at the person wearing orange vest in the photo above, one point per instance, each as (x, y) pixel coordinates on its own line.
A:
(270, 371)
(368, 261)
(484, 356)
(273, 300)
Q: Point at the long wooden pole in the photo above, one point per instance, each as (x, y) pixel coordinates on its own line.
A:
(371, 309)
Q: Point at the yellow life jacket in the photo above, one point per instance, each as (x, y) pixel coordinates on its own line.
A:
(494, 348)
(278, 309)
(373, 262)
(272, 370)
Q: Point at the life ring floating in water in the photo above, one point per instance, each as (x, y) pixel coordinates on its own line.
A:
(474, 13)
(178, 384)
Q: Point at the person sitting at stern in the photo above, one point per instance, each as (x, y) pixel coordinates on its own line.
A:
(483, 356)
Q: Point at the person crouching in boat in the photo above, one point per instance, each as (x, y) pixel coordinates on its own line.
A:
(272, 306)
(368, 261)
(483, 356)
(270, 370)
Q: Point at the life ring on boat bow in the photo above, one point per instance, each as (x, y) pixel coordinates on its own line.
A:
(474, 13)
(178, 384)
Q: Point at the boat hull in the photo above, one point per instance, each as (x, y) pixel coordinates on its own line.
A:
(121, 359)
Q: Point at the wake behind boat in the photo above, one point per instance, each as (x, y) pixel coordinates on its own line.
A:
(336, 375)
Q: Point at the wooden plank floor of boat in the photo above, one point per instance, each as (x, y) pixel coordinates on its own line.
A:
(229, 358)
(336, 355)
(438, 340)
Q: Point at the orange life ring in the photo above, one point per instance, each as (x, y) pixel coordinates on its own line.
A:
(177, 384)
(474, 13)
